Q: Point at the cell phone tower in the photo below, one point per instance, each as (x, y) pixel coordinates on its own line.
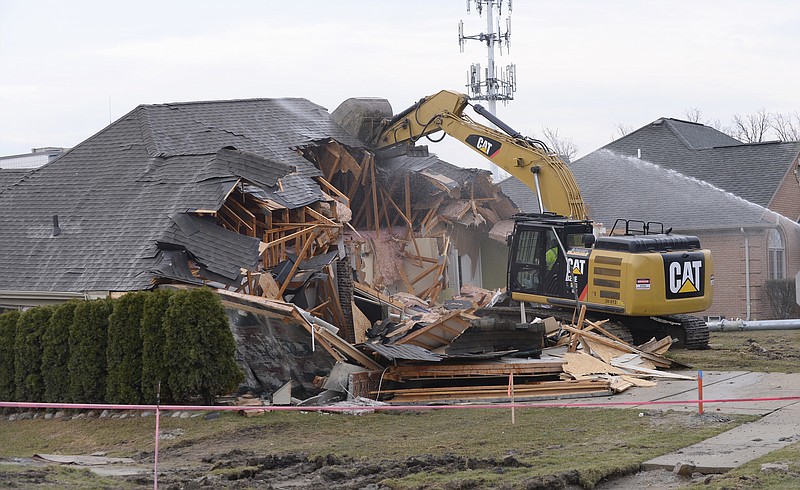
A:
(487, 85)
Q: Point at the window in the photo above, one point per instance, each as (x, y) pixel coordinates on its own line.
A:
(777, 260)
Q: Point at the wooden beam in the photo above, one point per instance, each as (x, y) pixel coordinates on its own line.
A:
(240, 207)
(407, 181)
(409, 287)
(300, 257)
(327, 185)
(337, 157)
(374, 196)
(231, 212)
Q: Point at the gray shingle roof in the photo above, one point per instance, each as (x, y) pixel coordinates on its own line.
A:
(751, 171)
(270, 128)
(9, 177)
(619, 186)
(124, 189)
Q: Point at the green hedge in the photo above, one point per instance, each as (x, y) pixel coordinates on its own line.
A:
(106, 351)
(55, 353)
(8, 334)
(124, 354)
(154, 354)
(31, 325)
(88, 338)
(201, 347)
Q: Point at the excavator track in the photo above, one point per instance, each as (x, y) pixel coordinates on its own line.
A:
(690, 332)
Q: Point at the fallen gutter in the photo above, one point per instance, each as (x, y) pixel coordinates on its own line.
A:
(747, 325)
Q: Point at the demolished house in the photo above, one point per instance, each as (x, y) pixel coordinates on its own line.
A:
(334, 266)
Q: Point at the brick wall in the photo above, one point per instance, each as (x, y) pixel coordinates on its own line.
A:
(787, 198)
(730, 292)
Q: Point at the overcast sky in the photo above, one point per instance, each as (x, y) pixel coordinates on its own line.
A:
(67, 68)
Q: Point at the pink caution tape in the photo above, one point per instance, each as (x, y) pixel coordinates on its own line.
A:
(336, 408)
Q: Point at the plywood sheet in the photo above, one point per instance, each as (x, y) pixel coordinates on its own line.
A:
(582, 363)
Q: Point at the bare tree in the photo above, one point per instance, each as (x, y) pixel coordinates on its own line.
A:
(751, 128)
(693, 114)
(787, 126)
(622, 131)
(714, 123)
(563, 146)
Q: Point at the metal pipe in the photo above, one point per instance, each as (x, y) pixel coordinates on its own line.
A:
(749, 325)
(535, 171)
(317, 321)
(746, 272)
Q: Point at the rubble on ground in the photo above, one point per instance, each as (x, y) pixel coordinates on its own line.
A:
(444, 353)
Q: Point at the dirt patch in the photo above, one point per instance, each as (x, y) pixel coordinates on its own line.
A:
(671, 417)
(264, 456)
(293, 470)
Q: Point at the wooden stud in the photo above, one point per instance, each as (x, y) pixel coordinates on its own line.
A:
(295, 266)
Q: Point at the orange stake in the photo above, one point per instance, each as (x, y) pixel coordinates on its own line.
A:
(700, 392)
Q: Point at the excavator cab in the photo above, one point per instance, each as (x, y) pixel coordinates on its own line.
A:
(540, 261)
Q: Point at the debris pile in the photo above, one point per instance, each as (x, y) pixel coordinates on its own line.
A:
(449, 353)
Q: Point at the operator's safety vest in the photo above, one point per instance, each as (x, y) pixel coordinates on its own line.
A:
(550, 257)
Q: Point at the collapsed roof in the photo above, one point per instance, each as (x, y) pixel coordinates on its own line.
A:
(122, 198)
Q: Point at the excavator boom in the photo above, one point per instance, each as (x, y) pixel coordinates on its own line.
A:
(527, 160)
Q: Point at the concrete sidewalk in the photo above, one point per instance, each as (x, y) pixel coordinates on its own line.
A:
(778, 427)
(737, 446)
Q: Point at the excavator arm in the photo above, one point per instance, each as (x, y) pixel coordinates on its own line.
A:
(527, 160)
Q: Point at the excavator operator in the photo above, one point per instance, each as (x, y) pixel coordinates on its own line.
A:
(552, 251)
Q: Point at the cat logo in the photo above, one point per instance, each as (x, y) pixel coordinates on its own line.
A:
(576, 267)
(684, 274)
(483, 144)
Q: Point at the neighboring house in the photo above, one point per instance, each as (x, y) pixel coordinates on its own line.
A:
(14, 167)
(35, 159)
(750, 244)
(762, 173)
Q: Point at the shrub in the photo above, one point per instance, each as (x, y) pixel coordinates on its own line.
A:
(154, 354)
(55, 353)
(28, 382)
(87, 347)
(8, 334)
(201, 347)
(124, 352)
(781, 296)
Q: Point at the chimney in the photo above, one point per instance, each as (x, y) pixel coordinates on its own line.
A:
(56, 229)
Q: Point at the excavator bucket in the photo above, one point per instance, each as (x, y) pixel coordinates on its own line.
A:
(362, 117)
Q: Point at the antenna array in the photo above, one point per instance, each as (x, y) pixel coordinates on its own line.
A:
(487, 84)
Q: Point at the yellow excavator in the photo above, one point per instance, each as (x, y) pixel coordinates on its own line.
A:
(644, 279)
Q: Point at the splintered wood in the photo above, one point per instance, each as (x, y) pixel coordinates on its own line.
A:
(329, 265)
